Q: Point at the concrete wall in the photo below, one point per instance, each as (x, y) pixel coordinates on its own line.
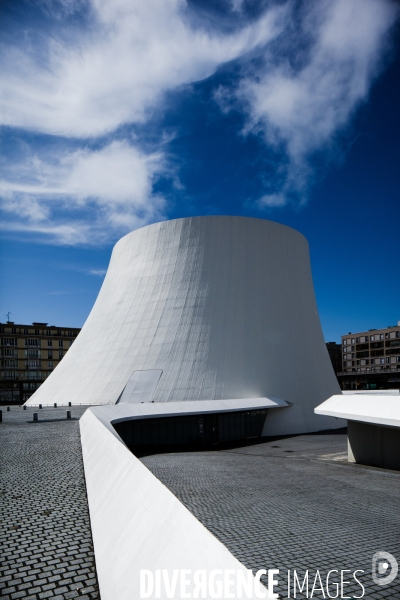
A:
(137, 523)
(223, 306)
(374, 445)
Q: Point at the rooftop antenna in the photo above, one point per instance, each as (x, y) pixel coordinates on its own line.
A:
(8, 316)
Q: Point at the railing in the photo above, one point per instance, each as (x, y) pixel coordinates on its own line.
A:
(370, 372)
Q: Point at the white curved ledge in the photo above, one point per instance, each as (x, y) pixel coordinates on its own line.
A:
(137, 523)
(381, 409)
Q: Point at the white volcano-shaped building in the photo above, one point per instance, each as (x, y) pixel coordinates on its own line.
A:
(203, 308)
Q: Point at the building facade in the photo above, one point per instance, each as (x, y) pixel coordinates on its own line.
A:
(371, 359)
(29, 354)
(203, 309)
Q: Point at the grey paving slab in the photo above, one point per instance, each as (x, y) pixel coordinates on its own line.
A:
(45, 537)
(292, 503)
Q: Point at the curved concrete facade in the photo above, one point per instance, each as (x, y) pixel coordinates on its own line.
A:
(211, 308)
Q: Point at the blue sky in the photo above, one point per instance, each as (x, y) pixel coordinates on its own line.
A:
(119, 113)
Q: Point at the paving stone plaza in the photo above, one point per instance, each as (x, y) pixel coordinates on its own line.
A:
(46, 542)
(292, 503)
(289, 503)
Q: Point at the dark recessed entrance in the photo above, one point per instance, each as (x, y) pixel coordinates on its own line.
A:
(192, 429)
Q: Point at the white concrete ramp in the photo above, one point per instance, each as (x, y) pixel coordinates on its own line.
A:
(140, 387)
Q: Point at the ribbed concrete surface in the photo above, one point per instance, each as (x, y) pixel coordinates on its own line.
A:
(223, 306)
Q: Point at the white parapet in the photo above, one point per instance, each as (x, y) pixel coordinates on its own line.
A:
(379, 409)
(140, 528)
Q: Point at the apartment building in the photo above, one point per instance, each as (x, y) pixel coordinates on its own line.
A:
(371, 359)
(28, 354)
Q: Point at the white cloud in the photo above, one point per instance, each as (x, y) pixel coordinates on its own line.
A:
(99, 272)
(301, 109)
(117, 70)
(315, 65)
(272, 201)
(115, 184)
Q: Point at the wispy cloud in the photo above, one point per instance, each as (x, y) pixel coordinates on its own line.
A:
(310, 84)
(99, 272)
(305, 67)
(93, 80)
(82, 82)
(114, 183)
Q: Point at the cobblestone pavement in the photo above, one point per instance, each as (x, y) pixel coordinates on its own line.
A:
(45, 537)
(292, 503)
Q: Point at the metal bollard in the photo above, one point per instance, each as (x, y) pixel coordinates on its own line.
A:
(8, 409)
(24, 407)
(55, 404)
(40, 406)
(69, 403)
(1, 416)
(35, 417)
(68, 414)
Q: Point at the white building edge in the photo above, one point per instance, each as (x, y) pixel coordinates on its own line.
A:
(373, 426)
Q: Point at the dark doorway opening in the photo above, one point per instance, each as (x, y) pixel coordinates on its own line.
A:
(192, 430)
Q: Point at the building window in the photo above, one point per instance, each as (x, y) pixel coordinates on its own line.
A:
(48, 331)
(35, 374)
(49, 343)
(50, 354)
(9, 352)
(32, 353)
(381, 336)
(382, 361)
(9, 363)
(58, 331)
(50, 364)
(352, 340)
(372, 338)
(25, 332)
(32, 364)
(61, 354)
(32, 342)
(357, 340)
(60, 343)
